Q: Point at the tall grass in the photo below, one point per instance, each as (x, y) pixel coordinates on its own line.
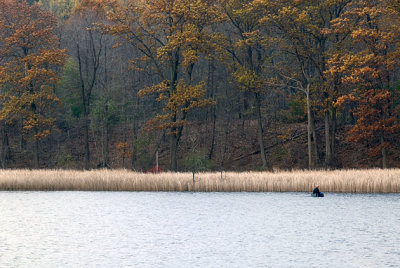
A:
(363, 181)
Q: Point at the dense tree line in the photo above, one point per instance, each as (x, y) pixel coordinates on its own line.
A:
(108, 83)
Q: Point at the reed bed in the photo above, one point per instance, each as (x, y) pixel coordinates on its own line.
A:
(354, 181)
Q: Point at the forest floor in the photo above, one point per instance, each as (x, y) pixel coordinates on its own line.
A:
(235, 148)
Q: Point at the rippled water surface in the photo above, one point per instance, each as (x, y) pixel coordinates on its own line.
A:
(114, 229)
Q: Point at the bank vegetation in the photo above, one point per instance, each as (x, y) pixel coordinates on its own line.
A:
(352, 181)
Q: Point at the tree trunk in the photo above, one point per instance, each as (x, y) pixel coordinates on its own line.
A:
(309, 144)
(5, 149)
(106, 137)
(210, 84)
(384, 154)
(242, 110)
(224, 148)
(134, 140)
(106, 163)
(173, 152)
(174, 139)
(328, 152)
(86, 138)
(22, 141)
(333, 134)
(36, 154)
(265, 164)
(214, 119)
(317, 153)
(86, 91)
(124, 124)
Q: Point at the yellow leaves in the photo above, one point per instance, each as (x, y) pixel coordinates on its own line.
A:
(41, 134)
(172, 35)
(359, 69)
(22, 30)
(124, 149)
(362, 34)
(179, 99)
(285, 136)
(185, 97)
(189, 38)
(288, 11)
(252, 39)
(98, 7)
(326, 31)
(159, 88)
(303, 17)
(117, 29)
(45, 57)
(248, 80)
(192, 42)
(345, 99)
(38, 68)
(11, 108)
(366, 71)
(165, 13)
(40, 126)
(165, 122)
(122, 146)
(191, 56)
(31, 70)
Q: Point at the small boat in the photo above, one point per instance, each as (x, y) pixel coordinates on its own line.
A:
(320, 194)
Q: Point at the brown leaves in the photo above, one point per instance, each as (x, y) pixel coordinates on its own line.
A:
(179, 99)
(372, 109)
(365, 68)
(29, 73)
(124, 149)
(20, 30)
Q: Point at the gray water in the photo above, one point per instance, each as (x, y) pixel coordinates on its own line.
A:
(121, 229)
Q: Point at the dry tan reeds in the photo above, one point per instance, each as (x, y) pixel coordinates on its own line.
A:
(363, 181)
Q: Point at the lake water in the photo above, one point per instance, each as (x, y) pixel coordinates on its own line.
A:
(140, 229)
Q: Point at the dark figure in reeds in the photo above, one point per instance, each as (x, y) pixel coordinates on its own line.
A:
(317, 193)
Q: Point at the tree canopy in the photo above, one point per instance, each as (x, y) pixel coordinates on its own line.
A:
(257, 84)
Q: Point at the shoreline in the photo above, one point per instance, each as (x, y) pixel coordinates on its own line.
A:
(341, 181)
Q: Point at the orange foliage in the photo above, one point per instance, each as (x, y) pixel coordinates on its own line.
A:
(124, 149)
(28, 70)
(366, 68)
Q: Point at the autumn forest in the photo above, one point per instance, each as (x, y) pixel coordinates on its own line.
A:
(200, 84)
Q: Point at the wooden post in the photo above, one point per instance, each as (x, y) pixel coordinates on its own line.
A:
(194, 182)
(157, 160)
